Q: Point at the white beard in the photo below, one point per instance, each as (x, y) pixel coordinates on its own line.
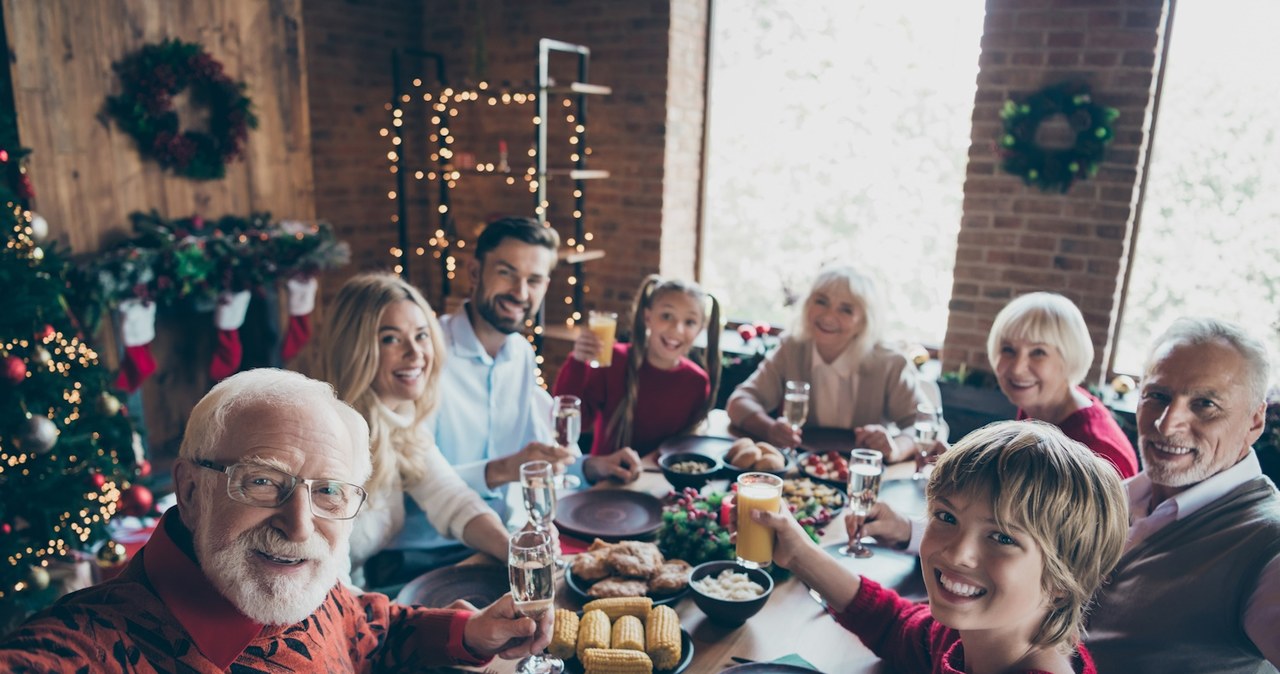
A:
(270, 599)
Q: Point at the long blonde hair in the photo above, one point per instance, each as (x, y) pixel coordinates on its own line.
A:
(653, 287)
(351, 364)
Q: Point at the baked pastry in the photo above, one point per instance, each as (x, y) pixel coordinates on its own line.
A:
(671, 577)
(634, 559)
(618, 587)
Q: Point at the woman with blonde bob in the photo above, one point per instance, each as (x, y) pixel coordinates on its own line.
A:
(1040, 349)
(855, 382)
(1024, 525)
(385, 358)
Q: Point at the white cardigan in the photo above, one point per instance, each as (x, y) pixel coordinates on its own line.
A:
(448, 502)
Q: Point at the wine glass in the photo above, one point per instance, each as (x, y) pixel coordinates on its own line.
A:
(531, 570)
(926, 431)
(795, 406)
(538, 487)
(566, 421)
(866, 467)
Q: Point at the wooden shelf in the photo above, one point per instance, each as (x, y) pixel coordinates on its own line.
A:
(581, 88)
(578, 174)
(574, 256)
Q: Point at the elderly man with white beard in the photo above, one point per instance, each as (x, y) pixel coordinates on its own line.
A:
(1198, 587)
(242, 574)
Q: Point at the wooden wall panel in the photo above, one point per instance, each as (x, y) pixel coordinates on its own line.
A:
(89, 176)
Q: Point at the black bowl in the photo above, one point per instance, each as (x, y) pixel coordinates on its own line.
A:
(695, 480)
(729, 612)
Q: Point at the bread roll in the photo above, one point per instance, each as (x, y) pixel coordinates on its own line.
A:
(767, 449)
(746, 458)
(771, 462)
(736, 448)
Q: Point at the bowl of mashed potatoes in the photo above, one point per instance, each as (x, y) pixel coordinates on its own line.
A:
(729, 594)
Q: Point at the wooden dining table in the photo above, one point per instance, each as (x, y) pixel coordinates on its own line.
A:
(793, 621)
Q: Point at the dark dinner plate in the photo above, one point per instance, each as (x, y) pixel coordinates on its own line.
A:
(686, 658)
(578, 588)
(609, 514)
(710, 445)
(819, 439)
(479, 584)
(767, 668)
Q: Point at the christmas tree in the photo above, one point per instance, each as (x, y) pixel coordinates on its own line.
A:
(67, 447)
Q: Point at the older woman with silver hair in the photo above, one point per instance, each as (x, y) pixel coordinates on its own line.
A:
(1040, 349)
(856, 382)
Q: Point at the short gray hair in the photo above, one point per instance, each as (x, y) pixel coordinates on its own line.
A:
(274, 388)
(1048, 318)
(864, 293)
(1191, 331)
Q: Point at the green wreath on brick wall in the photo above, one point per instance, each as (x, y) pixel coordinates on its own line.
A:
(151, 77)
(1056, 169)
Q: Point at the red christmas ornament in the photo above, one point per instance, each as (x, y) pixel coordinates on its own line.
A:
(6, 528)
(136, 501)
(144, 468)
(762, 329)
(46, 332)
(746, 332)
(98, 479)
(4, 155)
(25, 190)
(15, 369)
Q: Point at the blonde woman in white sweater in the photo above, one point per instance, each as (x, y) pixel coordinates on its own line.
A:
(385, 357)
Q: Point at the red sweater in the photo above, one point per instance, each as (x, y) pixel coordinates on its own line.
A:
(667, 401)
(163, 615)
(1095, 428)
(907, 638)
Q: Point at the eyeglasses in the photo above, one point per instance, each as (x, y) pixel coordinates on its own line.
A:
(265, 487)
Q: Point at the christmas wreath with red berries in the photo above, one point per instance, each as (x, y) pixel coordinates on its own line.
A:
(151, 78)
(1055, 168)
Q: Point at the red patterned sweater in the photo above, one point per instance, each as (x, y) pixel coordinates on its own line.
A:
(905, 635)
(163, 615)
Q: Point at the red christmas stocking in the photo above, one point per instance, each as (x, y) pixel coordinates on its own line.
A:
(302, 301)
(137, 331)
(228, 317)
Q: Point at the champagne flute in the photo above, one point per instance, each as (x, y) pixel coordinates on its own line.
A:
(531, 570)
(795, 406)
(566, 421)
(538, 487)
(926, 431)
(866, 467)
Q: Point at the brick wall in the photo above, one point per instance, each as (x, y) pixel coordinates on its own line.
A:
(1015, 239)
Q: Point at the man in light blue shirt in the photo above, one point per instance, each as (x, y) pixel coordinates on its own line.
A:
(493, 415)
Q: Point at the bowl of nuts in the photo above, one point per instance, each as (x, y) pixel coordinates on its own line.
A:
(688, 469)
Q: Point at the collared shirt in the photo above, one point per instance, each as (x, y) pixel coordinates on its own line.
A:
(162, 614)
(490, 407)
(1262, 612)
(830, 386)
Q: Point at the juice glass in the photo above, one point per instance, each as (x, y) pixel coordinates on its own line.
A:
(756, 491)
(604, 325)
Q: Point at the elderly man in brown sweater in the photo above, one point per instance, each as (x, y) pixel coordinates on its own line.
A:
(242, 574)
(1198, 587)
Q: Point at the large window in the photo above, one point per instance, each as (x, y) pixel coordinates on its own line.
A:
(1208, 243)
(839, 132)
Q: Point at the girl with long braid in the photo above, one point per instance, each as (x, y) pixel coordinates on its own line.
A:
(652, 391)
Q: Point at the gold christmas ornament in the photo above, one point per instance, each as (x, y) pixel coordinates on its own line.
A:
(111, 554)
(108, 404)
(38, 577)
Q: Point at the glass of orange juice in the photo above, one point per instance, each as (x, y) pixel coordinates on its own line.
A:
(604, 325)
(756, 491)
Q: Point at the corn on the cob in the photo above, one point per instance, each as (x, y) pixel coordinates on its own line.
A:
(564, 636)
(593, 631)
(627, 633)
(616, 607)
(616, 661)
(662, 637)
